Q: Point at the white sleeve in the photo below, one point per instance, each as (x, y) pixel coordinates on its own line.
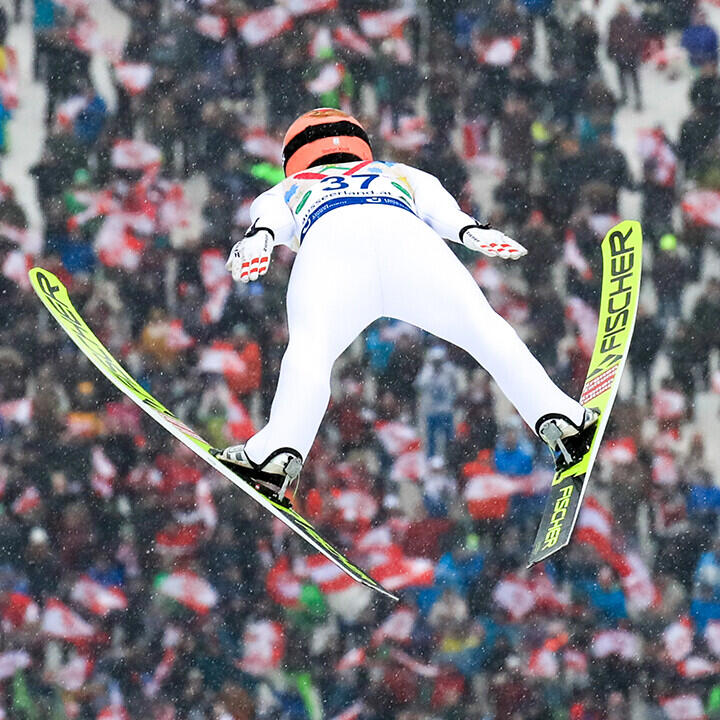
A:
(435, 205)
(270, 211)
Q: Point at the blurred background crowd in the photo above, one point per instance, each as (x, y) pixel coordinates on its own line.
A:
(136, 583)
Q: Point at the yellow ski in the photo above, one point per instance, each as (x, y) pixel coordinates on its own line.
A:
(55, 298)
(622, 269)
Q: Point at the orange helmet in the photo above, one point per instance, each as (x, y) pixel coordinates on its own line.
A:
(324, 135)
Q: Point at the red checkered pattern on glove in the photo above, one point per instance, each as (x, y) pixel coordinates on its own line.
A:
(491, 242)
(250, 257)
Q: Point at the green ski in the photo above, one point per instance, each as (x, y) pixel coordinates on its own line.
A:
(55, 298)
(622, 268)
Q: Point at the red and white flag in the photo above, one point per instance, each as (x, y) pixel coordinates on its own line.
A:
(178, 540)
(323, 573)
(116, 246)
(594, 527)
(264, 647)
(135, 155)
(28, 500)
(410, 465)
(355, 505)
(683, 707)
(678, 639)
(19, 610)
(212, 26)
(347, 37)
(68, 110)
(548, 598)
(59, 621)
(410, 135)
(86, 36)
(384, 23)
(259, 144)
(258, 28)
(702, 207)
(543, 663)
(10, 80)
(694, 667)
(640, 591)
(487, 276)
(665, 470)
(16, 266)
(669, 404)
(103, 473)
(176, 338)
(240, 424)
(404, 572)
(173, 209)
(398, 627)
(282, 584)
(134, 77)
(622, 643)
(397, 437)
(74, 674)
(658, 157)
(29, 241)
(217, 283)
(97, 204)
(115, 711)
(586, 321)
(575, 661)
(619, 451)
(221, 358)
(163, 669)
(377, 538)
(189, 589)
(515, 596)
(574, 258)
(206, 510)
(488, 496)
(497, 52)
(12, 661)
(98, 598)
(354, 712)
(307, 7)
(426, 670)
(600, 223)
(352, 659)
(329, 78)
(17, 411)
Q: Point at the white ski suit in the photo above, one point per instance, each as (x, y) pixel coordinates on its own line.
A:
(369, 242)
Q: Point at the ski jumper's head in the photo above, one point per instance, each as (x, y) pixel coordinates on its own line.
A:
(322, 136)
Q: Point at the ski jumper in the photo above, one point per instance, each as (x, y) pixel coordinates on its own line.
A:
(369, 242)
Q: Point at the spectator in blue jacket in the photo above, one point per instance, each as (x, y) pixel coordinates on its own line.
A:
(514, 453)
(700, 40)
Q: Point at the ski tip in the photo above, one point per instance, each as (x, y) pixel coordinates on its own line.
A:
(631, 230)
(379, 588)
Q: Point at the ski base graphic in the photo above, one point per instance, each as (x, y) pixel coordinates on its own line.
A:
(622, 269)
(55, 297)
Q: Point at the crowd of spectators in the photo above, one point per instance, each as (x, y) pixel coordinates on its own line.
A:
(136, 583)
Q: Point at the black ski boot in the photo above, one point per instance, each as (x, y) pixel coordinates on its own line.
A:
(273, 477)
(567, 441)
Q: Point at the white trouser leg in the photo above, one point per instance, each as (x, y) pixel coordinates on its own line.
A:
(423, 283)
(333, 294)
(358, 264)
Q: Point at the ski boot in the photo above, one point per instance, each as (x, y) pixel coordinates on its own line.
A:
(567, 441)
(273, 477)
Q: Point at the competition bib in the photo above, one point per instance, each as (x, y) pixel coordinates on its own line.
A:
(313, 193)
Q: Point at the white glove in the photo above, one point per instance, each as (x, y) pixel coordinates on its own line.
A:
(250, 257)
(490, 242)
